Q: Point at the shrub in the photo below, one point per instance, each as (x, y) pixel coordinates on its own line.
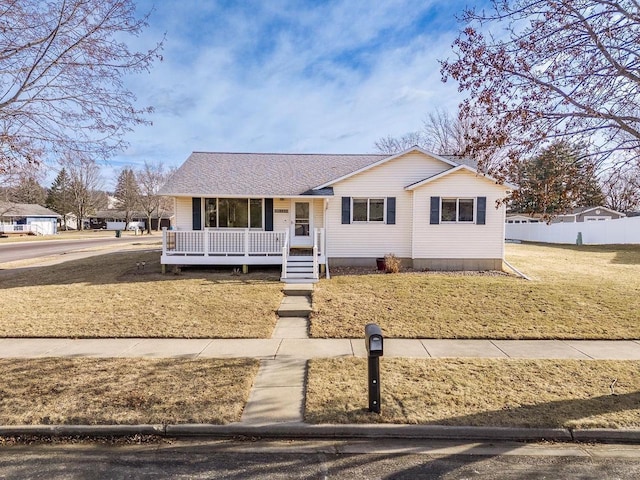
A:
(391, 263)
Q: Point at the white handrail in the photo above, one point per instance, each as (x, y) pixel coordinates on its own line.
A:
(285, 255)
(316, 275)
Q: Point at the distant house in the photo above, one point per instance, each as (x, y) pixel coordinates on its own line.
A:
(99, 219)
(523, 218)
(588, 214)
(581, 214)
(27, 218)
(304, 212)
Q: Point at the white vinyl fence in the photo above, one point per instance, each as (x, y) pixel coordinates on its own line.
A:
(623, 230)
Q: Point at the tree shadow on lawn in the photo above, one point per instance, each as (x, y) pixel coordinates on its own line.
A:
(130, 267)
(624, 254)
(556, 414)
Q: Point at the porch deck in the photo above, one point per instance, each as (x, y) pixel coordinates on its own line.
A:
(242, 247)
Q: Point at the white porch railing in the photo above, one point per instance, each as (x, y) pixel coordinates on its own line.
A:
(285, 256)
(14, 228)
(223, 243)
(318, 235)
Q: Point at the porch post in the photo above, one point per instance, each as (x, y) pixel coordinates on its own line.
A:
(246, 242)
(205, 242)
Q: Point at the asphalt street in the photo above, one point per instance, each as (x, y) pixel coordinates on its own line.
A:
(366, 459)
(10, 252)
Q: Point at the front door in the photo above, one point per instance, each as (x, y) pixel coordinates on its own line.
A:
(301, 224)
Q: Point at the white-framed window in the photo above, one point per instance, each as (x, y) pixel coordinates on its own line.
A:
(233, 213)
(457, 210)
(367, 210)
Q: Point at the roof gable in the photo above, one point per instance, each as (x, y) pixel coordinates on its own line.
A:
(387, 159)
(582, 210)
(467, 168)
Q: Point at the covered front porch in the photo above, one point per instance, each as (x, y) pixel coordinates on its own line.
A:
(247, 247)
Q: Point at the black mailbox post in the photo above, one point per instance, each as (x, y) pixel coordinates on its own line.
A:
(373, 341)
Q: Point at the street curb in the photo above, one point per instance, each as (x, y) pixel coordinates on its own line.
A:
(427, 432)
(606, 435)
(300, 430)
(81, 430)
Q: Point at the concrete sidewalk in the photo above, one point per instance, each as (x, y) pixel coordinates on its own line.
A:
(275, 407)
(307, 348)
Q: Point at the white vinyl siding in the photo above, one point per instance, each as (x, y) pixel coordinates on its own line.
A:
(375, 239)
(459, 239)
(184, 214)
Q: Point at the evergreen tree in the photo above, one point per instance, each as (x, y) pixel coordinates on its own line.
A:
(60, 198)
(560, 178)
(28, 190)
(127, 193)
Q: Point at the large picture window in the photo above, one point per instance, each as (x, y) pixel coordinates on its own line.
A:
(233, 212)
(457, 210)
(368, 210)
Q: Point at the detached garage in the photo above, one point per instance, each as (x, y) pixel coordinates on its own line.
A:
(27, 218)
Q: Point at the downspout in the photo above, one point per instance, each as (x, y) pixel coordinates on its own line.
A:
(413, 225)
(326, 253)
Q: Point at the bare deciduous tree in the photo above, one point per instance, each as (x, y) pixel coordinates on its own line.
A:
(621, 190)
(442, 134)
(391, 145)
(62, 64)
(151, 177)
(85, 186)
(538, 71)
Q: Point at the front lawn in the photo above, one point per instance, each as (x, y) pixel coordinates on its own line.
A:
(113, 295)
(478, 392)
(89, 391)
(581, 292)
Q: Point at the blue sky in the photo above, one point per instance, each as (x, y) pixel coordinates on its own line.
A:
(288, 76)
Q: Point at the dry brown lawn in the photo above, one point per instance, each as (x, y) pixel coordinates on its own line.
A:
(576, 292)
(111, 296)
(123, 391)
(480, 392)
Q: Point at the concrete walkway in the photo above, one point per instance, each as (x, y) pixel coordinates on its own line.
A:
(286, 348)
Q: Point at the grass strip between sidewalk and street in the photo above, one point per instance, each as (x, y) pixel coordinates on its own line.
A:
(128, 391)
(586, 292)
(114, 295)
(478, 392)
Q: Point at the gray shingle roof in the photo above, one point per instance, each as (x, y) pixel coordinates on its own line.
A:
(268, 174)
(8, 209)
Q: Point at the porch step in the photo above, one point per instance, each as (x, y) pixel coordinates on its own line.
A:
(308, 275)
(298, 290)
(296, 306)
(293, 281)
(299, 269)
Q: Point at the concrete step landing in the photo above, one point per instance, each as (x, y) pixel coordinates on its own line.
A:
(295, 306)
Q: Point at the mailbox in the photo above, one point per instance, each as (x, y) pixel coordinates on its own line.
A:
(373, 340)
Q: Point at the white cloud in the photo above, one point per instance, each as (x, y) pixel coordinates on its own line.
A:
(328, 78)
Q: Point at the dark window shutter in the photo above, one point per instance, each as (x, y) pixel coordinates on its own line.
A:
(391, 210)
(482, 210)
(435, 211)
(197, 213)
(268, 214)
(346, 210)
